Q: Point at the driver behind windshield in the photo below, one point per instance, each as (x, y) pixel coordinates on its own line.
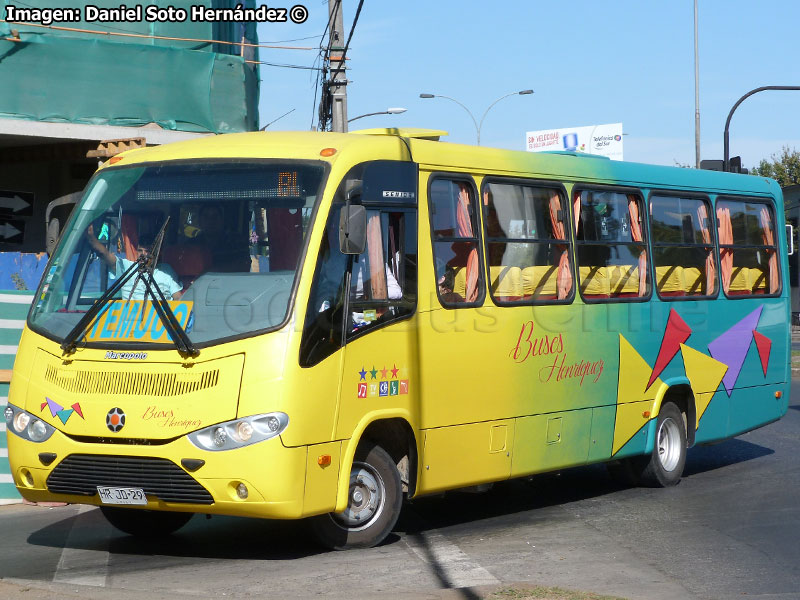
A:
(164, 276)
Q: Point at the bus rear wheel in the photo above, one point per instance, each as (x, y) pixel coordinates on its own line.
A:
(145, 523)
(374, 500)
(664, 466)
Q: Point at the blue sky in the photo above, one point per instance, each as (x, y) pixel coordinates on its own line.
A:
(589, 62)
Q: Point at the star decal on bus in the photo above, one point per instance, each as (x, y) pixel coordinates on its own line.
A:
(362, 374)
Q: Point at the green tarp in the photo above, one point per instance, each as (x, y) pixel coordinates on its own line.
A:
(84, 78)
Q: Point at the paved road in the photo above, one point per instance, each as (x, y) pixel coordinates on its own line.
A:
(730, 529)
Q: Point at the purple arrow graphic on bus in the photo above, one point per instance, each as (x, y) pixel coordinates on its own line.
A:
(53, 406)
(731, 347)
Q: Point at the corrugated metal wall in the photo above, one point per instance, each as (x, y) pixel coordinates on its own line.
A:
(14, 307)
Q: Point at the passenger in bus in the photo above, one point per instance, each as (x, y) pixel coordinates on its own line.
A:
(361, 273)
(164, 276)
(229, 250)
(446, 285)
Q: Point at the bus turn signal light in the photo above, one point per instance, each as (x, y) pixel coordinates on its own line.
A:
(646, 414)
(778, 394)
(324, 460)
(327, 152)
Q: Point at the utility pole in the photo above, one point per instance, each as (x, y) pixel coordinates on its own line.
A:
(337, 85)
(696, 94)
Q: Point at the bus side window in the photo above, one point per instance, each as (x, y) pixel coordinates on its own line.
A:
(527, 243)
(683, 246)
(323, 328)
(610, 245)
(748, 247)
(383, 278)
(454, 228)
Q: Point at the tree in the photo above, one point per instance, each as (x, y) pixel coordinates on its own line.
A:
(785, 168)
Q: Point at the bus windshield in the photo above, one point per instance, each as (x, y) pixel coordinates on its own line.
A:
(226, 265)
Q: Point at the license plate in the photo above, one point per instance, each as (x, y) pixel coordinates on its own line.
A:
(121, 495)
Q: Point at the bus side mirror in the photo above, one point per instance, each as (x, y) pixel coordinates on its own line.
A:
(353, 229)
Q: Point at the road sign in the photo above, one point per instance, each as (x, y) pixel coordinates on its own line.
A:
(18, 204)
(11, 231)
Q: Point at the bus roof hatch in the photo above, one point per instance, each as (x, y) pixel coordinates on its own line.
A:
(407, 132)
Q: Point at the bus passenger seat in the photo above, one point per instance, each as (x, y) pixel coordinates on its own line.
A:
(596, 281)
(625, 280)
(670, 281)
(540, 282)
(189, 261)
(506, 283)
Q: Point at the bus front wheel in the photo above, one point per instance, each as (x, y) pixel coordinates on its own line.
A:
(145, 523)
(374, 499)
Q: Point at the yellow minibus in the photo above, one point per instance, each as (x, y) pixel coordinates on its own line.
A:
(319, 325)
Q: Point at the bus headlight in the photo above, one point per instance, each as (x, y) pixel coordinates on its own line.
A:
(21, 420)
(240, 432)
(26, 425)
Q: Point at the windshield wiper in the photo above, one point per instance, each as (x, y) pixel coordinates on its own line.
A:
(164, 311)
(68, 345)
(143, 268)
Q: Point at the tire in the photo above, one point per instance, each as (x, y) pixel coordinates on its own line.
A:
(664, 466)
(145, 523)
(375, 496)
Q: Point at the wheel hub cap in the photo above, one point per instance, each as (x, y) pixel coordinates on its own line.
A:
(366, 495)
(669, 444)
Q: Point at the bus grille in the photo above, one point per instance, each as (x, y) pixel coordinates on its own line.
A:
(80, 474)
(130, 383)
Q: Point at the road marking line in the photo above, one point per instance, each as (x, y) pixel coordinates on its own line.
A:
(78, 565)
(450, 564)
(6, 478)
(8, 349)
(3, 452)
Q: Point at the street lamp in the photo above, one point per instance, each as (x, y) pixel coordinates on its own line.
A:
(388, 111)
(726, 163)
(478, 125)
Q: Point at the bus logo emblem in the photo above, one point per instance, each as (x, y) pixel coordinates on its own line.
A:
(115, 419)
(362, 390)
(393, 387)
(383, 389)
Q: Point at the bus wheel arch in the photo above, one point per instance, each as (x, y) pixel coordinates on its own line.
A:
(673, 433)
(680, 394)
(396, 437)
(382, 463)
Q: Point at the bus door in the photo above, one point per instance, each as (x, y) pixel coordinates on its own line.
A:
(357, 341)
(379, 359)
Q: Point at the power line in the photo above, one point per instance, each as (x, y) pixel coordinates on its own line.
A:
(271, 64)
(155, 37)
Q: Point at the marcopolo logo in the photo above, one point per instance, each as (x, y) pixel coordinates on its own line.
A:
(115, 419)
(111, 355)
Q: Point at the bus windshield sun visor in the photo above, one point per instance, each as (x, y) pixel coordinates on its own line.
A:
(143, 269)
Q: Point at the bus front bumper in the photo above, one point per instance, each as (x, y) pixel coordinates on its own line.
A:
(269, 475)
